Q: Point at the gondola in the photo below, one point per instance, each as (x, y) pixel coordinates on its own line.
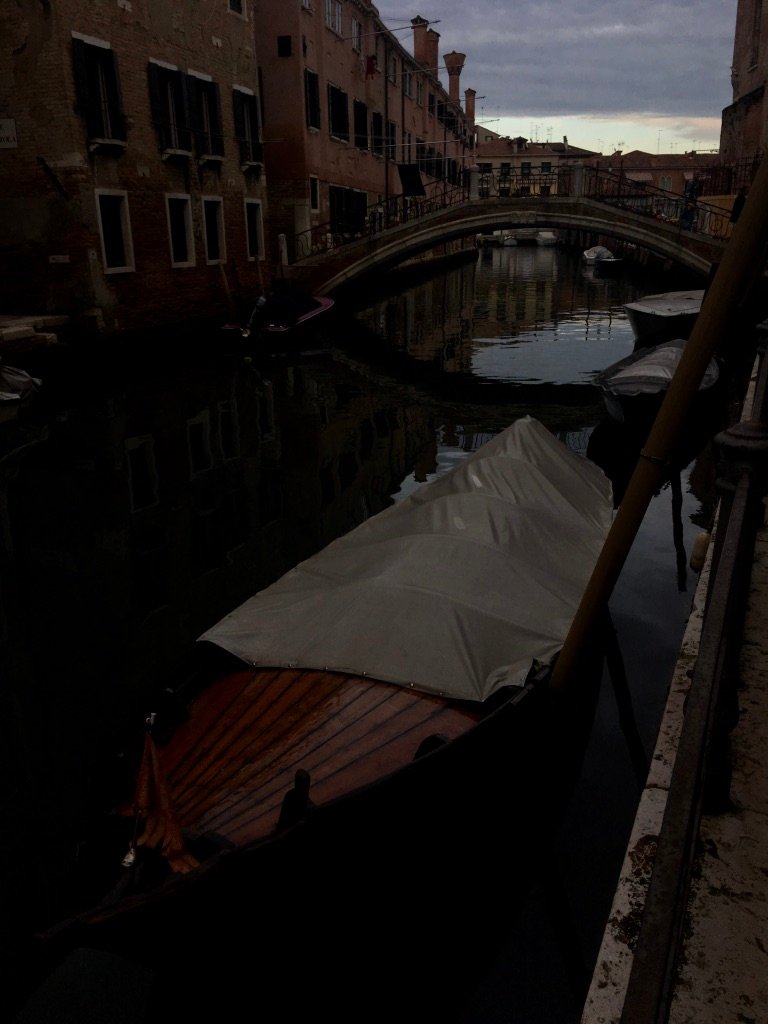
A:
(365, 788)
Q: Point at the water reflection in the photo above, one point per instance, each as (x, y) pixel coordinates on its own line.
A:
(515, 315)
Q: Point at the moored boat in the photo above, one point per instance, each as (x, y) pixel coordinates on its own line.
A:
(633, 387)
(664, 316)
(381, 751)
(596, 253)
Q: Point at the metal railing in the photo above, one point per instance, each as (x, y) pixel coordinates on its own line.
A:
(613, 189)
(378, 217)
(687, 211)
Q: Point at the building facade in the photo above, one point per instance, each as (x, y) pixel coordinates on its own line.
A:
(131, 160)
(744, 129)
(520, 167)
(355, 125)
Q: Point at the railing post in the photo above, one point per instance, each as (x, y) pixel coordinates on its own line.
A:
(474, 182)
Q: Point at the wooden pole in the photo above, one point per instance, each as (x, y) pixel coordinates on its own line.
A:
(742, 261)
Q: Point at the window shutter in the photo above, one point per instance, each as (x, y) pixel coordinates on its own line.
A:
(156, 104)
(217, 134)
(115, 99)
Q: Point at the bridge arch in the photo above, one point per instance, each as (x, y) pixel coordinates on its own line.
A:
(693, 250)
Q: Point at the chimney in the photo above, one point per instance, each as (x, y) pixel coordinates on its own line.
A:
(425, 43)
(469, 104)
(454, 63)
(565, 143)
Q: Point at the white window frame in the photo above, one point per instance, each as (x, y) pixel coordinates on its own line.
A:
(188, 227)
(259, 228)
(333, 10)
(125, 223)
(222, 257)
(356, 35)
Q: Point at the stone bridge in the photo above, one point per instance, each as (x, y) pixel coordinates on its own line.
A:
(339, 264)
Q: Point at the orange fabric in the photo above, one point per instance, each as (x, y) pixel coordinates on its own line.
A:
(153, 802)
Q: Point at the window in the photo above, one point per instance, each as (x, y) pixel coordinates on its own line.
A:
(377, 134)
(333, 15)
(392, 69)
(284, 46)
(357, 35)
(254, 229)
(525, 169)
(391, 139)
(98, 90)
(167, 91)
(213, 223)
(179, 211)
(419, 91)
(338, 113)
(407, 82)
(407, 148)
(360, 113)
(665, 182)
(312, 98)
(205, 115)
(546, 167)
(247, 127)
(115, 230)
(237, 7)
(431, 104)
(314, 194)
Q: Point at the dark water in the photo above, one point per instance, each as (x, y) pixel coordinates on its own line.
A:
(147, 493)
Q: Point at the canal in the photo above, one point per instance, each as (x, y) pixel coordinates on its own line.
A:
(146, 492)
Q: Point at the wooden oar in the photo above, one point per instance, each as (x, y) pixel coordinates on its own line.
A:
(742, 261)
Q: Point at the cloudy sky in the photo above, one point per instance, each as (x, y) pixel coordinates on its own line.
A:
(609, 74)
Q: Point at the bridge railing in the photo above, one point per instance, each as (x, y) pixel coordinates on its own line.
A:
(686, 211)
(377, 217)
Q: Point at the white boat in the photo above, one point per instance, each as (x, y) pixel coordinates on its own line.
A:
(662, 317)
(633, 387)
(597, 253)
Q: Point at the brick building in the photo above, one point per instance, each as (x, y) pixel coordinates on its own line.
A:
(131, 160)
(744, 131)
(352, 119)
(521, 167)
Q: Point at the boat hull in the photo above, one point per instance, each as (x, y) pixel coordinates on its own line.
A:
(658, 318)
(395, 895)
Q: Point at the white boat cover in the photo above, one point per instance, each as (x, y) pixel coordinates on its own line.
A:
(650, 371)
(457, 590)
(667, 304)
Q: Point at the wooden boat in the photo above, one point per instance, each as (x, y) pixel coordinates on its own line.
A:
(664, 316)
(346, 818)
(633, 387)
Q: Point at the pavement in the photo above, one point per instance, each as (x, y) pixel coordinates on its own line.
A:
(722, 968)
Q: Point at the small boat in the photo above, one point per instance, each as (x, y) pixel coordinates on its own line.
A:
(665, 316)
(634, 387)
(381, 764)
(596, 254)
